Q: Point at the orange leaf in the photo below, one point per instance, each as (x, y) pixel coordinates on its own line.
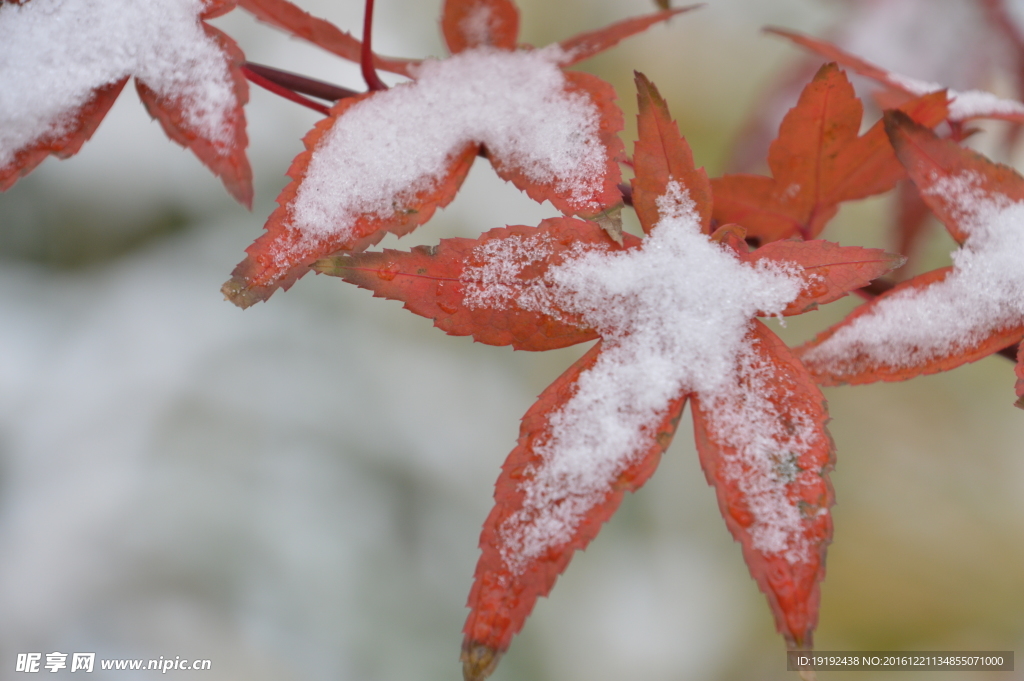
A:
(503, 595)
(475, 23)
(227, 161)
(785, 557)
(930, 160)
(817, 161)
(663, 156)
(830, 270)
(586, 45)
(434, 282)
(287, 17)
(86, 121)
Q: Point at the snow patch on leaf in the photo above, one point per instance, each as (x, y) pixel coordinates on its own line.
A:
(55, 53)
(768, 444)
(963, 105)
(983, 293)
(673, 314)
(496, 282)
(389, 147)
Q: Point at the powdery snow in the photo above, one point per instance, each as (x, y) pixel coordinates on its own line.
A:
(963, 105)
(983, 293)
(387, 148)
(55, 53)
(673, 314)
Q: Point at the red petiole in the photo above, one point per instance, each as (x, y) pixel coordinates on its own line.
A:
(373, 81)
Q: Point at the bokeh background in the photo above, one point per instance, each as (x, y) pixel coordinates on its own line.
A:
(295, 491)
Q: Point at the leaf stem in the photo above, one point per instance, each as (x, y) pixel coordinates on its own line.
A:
(302, 84)
(373, 81)
(282, 91)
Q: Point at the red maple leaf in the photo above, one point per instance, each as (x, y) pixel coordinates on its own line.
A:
(385, 161)
(65, 79)
(818, 161)
(941, 319)
(675, 314)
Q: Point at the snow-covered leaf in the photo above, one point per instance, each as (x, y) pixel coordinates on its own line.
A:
(536, 495)
(385, 161)
(62, 64)
(947, 317)
(675, 314)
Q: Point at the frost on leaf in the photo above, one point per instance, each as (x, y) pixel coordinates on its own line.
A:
(62, 64)
(818, 160)
(944, 318)
(386, 161)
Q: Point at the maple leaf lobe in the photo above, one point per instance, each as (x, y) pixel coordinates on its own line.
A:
(466, 24)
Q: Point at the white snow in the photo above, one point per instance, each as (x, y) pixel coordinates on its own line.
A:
(673, 315)
(963, 105)
(983, 293)
(55, 53)
(387, 148)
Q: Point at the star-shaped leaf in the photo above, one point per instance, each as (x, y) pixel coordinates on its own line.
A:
(62, 65)
(947, 317)
(675, 314)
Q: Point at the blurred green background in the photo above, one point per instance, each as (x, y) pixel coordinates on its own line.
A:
(296, 491)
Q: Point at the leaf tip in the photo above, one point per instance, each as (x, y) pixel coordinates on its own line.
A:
(238, 293)
(478, 661)
(611, 222)
(643, 83)
(330, 266)
(895, 122)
